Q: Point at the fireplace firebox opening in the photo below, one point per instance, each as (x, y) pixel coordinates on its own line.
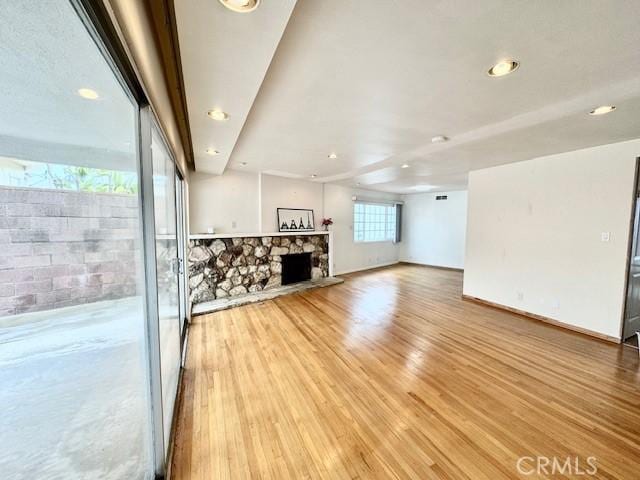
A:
(296, 267)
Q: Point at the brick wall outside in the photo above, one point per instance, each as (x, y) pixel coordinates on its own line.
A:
(61, 248)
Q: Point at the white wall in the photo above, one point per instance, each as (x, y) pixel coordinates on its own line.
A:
(222, 201)
(433, 231)
(281, 192)
(534, 235)
(349, 255)
(249, 199)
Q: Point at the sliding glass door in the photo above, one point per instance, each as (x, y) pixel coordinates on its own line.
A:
(167, 268)
(91, 233)
(74, 365)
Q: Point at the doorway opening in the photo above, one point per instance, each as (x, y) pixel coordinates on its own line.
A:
(631, 322)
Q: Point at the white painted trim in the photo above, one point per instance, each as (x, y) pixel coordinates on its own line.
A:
(260, 201)
(374, 201)
(370, 267)
(432, 265)
(330, 247)
(211, 236)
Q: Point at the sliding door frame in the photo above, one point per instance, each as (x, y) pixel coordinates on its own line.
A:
(182, 256)
(162, 451)
(97, 20)
(151, 289)
(155, 123)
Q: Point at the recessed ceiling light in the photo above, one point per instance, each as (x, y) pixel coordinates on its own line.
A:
(404, 165)
(241, 6)
(439, 139)
(88, 93)
(602, 110)
(503, 67)
(212, 151)
(358, 184)
(244, 164)
(333, 156)
(313, 175)
(218, 115)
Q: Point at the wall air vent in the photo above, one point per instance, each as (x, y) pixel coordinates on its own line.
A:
(441, 197)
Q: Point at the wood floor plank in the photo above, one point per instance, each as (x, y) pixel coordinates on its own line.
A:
(393, 375)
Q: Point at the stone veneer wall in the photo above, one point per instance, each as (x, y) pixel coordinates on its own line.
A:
(227, 267)
(60, 248)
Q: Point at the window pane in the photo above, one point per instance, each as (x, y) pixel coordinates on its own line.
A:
(373, 222)
(74, 390)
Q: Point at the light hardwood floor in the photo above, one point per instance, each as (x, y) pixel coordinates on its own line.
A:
(393, 375)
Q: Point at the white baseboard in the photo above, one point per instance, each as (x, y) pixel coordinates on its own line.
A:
(368, 267)
(443, 267)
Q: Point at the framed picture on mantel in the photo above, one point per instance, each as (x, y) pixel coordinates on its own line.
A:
(295, 220)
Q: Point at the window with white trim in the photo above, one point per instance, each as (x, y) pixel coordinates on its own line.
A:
(374, 222)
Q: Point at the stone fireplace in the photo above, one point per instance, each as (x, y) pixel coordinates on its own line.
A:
(222, 266)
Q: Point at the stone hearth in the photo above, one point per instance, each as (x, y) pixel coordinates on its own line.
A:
(238, 301)
(228, 267)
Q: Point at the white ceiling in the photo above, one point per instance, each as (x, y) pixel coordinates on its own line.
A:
(374, 81)
(225, 56)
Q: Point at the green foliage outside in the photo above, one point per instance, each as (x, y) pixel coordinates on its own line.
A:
(93, 180)
(82, 179)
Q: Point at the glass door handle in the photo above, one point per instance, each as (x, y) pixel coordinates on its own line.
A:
(174, 265)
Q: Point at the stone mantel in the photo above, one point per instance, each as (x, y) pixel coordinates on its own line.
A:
(231, 264)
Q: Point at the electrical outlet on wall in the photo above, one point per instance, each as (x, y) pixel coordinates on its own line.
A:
(520, 296)
(234, 224)
(605, 236)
